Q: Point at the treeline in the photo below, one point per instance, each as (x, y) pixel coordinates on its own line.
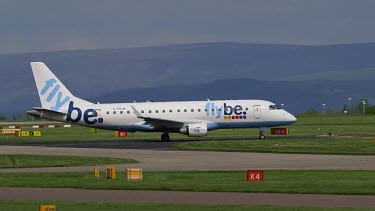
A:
(360, 107)
(370, 110)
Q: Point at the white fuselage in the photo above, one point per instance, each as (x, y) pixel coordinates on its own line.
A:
(216, 114)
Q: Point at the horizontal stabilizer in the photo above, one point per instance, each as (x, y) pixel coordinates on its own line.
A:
(45, 113)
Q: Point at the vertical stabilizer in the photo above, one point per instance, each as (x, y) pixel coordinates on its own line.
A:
(52, 93)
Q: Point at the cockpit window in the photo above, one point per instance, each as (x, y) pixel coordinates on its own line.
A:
(273, 107)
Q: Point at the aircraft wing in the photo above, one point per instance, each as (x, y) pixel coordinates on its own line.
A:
(160, 123)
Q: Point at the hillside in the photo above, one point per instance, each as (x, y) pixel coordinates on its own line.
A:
(96, 72)
(296, 96)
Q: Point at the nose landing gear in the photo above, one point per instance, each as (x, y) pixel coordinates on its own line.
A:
(261, 133)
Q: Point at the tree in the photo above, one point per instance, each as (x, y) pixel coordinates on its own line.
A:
(370, 110)
(330, 111)
(17, 116)
(2, 117)
(310, 112)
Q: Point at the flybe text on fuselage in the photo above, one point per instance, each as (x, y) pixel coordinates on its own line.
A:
(89, 115)
(228, 111)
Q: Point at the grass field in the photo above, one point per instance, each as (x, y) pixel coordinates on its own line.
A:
(305, 126)
(349, 146)
(350, 135)
(30, 161)
(83, 206)
(275, 181)
(302, 138)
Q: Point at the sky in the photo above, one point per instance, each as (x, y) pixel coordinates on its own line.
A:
(38, 26)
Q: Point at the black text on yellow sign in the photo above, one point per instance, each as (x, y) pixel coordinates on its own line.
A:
(31, 133)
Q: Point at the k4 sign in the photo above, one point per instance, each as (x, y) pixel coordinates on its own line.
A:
(254, 175)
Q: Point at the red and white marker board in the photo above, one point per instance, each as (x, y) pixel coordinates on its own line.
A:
(254, 175)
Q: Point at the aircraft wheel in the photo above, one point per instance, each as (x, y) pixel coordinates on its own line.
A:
(165, 137)
(262, 136)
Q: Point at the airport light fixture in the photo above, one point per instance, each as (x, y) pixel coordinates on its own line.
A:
(282, 105)
(324, 109)
(364, 107)
(349, 107)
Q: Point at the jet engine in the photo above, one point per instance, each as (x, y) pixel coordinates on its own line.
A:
(194, 130)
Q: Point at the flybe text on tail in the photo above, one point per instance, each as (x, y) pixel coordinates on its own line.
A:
(51, 83)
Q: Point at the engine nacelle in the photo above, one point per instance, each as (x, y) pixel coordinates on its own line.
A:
(194, 130)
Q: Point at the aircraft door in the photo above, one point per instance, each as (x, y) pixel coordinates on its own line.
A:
(98, 116)
(257, 112)
(98, 113)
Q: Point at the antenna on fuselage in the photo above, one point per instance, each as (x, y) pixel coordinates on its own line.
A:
(208, 99)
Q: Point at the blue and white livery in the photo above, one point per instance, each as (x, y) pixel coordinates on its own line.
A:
(193, 118)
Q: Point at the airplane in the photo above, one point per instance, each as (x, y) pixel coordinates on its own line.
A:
(192, 118)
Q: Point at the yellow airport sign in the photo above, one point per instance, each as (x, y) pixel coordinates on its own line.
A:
(25, 133)
(31, 133)
(111, 172)
(134, 174)
(47, 208)
(96, 172)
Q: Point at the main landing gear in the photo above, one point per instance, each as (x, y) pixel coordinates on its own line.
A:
(165, 137)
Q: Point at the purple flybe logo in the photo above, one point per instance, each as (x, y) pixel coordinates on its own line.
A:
(226, 111)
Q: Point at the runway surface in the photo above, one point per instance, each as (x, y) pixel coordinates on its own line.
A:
(184, 197)
(174, 160)
(144, 144)
(133, 144)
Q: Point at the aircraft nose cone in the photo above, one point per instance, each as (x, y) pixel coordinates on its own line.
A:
(292, 118)
(289, 118)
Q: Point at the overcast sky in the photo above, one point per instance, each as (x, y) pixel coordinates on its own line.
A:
(33, 25)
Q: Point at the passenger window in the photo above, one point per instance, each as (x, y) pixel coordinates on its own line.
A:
(199, 110)
(149, 111)
(142, 111)
(157, 111)
(121, 112)
(163, 111)
(107, 112)
(128, 112)
(247, 108)
(178, 110)
(219, 109)
(192, 110)
(170, 111)
(185, 110)
(205, 110)
(114, 112)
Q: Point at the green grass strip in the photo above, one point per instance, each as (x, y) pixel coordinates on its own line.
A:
(305, 126)
(345, 146)
(83, 206)
(275, 181)
(29, 161)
